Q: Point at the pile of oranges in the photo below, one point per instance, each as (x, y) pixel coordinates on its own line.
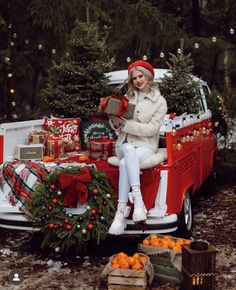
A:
(166, 242)
(123, 261)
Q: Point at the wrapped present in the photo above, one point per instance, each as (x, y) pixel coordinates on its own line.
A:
(119, 106)
(37, 137)
(101, 148)
(55, 147)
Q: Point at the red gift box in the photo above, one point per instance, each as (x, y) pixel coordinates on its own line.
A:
(117, 105)
(101, 148)
(55, 147)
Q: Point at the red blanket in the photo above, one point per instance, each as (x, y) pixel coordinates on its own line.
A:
(149, 180)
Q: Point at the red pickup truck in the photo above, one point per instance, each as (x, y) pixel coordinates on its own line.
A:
(185, 161)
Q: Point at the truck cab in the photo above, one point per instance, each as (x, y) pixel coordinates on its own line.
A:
(184, 162)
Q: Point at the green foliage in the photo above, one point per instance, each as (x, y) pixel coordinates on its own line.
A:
(77, 84)
(220, 117)
(63, 230)
(178, 87)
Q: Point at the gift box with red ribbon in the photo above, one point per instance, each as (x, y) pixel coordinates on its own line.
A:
(37, 137)
(101, 148)
(55, 147)
(117, 105)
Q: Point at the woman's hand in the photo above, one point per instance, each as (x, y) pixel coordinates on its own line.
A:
(117, 121)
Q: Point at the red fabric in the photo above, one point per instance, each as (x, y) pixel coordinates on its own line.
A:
(76, 189)
(67, 129)
(142, 63)
(149, 180)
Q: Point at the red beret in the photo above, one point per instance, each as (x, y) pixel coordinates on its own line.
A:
(142, 63)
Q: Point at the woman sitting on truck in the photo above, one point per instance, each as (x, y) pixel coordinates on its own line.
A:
(137, 140)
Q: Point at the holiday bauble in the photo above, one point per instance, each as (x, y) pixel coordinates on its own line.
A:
(108, 195)
(52, 186)
(57, 249)
(66, 221)
(70, 215)
(55, 200)
(93, 212)
(78, 226)
(88, 207)
(95, 191)
(90, 227)
(50, 208)
(81, 219)
(51, 226)
(84, 231)
(68, 227)
(47, 196)
(59, 192)
(102, 219)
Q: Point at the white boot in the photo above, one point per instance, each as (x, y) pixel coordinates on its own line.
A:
(119, 223)
(140, 210)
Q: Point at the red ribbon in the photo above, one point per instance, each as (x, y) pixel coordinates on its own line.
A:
(75, 187)
(56, 145)
(124, 102)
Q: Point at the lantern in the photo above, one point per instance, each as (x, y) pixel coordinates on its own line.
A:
(198, 266)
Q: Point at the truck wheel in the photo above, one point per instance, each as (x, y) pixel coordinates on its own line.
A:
(209, 186)
(185, 218)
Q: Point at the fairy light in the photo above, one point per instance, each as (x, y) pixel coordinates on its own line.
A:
(9, 75)
(231, 31)
(128, 59)
(12, 91)
(162, 54)
(40, 46)
(214, 39)
(196, 45)
(144, 57)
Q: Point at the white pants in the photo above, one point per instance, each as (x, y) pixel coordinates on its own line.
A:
(129, 169)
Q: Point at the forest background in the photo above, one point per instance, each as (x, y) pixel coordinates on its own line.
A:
(38, 36)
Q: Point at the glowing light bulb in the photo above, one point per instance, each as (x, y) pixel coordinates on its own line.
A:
(128, 59)
(162, 54)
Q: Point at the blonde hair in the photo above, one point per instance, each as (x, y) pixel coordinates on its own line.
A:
(131, 88)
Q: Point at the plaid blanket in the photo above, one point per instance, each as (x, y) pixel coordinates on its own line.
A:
(22, 178)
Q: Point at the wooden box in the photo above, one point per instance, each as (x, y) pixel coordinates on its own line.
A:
(167, 263)
(199, 268)
(127, 277)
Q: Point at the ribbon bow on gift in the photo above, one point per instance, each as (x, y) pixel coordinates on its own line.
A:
(124, 102)
(75, 187)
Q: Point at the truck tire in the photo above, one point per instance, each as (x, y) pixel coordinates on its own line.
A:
(185, 218)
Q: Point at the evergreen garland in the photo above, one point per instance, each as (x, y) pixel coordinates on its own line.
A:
(62, 230)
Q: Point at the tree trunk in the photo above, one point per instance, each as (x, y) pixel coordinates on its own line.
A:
(196, 17)
(227, 81)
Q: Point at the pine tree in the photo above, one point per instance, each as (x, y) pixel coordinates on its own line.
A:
(179, 87)
(77, 84)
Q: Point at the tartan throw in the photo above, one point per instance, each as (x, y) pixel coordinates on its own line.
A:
(22, 178)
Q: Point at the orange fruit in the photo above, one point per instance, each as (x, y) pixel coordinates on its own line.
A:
(187, 242)
(143, 260)
(146, 242)
(171, 244)
(83, 158)
(153, 236)
(155, 243)
(115, 265)
(123, 263)
(137, 266)
(180, 242)
(131, 261)
(48, 158)
(136, 256)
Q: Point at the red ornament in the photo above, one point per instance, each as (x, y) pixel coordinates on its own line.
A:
(66, 221)
(55, 200)
(51, 226)
(50, 208)
(93, 212)
(68, 227)
(90, 227)
(95, 191)
(52, 186)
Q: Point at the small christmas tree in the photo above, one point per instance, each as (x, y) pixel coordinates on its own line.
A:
(77, 84)
(178, 87)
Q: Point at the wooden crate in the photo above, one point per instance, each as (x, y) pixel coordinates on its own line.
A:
(127, 277)
(165, 272)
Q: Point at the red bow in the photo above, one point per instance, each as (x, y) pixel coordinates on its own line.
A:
(76, 190)
(124, 102)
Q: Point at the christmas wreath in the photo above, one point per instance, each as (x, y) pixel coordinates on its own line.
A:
(50, 208)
